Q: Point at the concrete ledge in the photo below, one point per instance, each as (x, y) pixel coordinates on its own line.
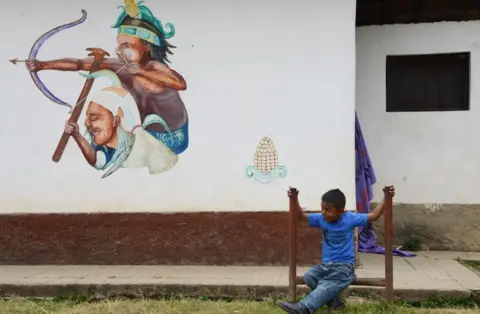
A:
(102, 291)
(417, 278)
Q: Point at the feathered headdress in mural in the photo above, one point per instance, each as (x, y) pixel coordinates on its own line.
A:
(136, 19)
(131, 8)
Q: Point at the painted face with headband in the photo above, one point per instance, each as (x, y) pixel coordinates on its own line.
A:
(131, 49)
(134, 42)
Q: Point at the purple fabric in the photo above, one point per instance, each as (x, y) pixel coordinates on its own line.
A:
(365, 179)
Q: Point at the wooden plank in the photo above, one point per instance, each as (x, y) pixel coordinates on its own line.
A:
(369, 282)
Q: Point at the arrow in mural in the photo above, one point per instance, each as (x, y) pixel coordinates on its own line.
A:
(15, 61)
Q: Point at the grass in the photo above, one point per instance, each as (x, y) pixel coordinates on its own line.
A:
(412, 244)
(473, 265)
(199, 306)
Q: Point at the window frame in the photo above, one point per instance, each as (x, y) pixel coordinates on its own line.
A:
(395, 62)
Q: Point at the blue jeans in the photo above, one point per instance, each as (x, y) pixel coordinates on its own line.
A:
(326, 282)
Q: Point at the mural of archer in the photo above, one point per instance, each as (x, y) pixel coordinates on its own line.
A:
(141, 65)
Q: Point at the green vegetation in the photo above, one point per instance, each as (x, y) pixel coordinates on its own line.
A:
(412, 244)
(74, 305)
(473, 265)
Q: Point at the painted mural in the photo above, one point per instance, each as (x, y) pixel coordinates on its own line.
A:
(139, 120)
(266, 168)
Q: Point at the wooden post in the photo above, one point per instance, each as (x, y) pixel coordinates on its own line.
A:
(388, 214)
(292, 240)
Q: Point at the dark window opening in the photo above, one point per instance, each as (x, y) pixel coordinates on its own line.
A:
(430, 82)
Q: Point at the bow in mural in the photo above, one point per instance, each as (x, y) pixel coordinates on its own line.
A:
(34, 52)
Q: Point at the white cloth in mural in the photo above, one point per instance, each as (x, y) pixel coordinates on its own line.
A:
(113, 99)
(146, 150)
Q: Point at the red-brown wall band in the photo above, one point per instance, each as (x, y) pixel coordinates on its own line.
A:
(206, 238)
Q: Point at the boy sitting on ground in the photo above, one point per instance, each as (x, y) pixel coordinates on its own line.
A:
(337, 270)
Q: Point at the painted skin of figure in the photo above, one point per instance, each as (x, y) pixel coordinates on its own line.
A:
(115, 140)
(145, 75)
(102, 125)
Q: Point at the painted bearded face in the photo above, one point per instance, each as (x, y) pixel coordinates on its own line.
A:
(101, 124)
(130, 48)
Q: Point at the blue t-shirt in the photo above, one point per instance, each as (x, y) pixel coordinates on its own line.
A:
(337, 239)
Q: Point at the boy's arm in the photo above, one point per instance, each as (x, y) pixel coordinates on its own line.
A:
(378, 211)
(362, 220)
(295, 204)
(314, 220)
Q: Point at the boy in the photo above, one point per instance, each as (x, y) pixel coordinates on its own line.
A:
(337, 270)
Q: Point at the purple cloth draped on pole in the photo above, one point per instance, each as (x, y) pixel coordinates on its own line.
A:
(365, 179)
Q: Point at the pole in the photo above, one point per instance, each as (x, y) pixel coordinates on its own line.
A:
(388, 214)
(292, 239)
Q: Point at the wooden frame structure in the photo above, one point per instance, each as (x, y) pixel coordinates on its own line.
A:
(387, 281)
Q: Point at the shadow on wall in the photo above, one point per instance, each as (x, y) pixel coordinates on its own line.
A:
(452, 227)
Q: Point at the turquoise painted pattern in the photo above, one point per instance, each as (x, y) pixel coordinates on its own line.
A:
(252, 172)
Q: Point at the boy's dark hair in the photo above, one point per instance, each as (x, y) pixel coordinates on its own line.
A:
(335, 197)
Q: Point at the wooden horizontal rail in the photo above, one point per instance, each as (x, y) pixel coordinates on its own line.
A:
(371, 282)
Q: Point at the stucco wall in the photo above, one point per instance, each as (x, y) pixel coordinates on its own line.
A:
(252, 70)
(431, 157)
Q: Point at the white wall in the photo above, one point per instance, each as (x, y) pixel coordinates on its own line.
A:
(283, 69)
(431, 157)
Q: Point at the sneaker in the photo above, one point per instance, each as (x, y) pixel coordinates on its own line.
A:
(293, 308)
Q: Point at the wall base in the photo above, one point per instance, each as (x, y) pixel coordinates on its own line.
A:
(224, 238)
(448, 227)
